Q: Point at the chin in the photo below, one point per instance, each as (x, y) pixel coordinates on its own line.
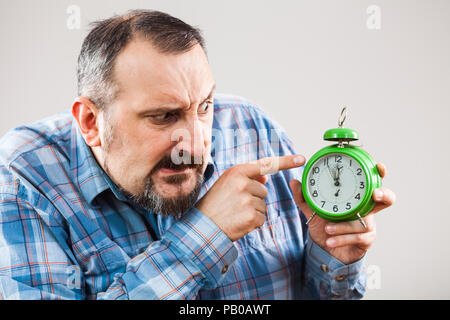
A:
(173, 190)
(169, 195)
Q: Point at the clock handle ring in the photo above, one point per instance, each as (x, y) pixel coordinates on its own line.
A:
(342, 117)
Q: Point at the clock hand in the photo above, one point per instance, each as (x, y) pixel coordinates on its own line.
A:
(336, 177)
(338, 170)
(331, 173)
(337, 193)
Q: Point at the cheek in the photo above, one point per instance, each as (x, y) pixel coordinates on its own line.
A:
(149, 149)
(137, 150)
(207, 133)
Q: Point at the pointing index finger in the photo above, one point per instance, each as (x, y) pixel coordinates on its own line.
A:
(271, 165)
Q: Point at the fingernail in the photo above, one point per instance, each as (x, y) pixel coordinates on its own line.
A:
(331, 242)
(299, 159)
(331, 228)
(378, 194)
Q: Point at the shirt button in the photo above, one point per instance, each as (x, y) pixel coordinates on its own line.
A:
(324, 268)
(225, 269)
(340, 278)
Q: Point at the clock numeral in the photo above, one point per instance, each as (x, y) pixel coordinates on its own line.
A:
(335, 208)
(358, 171)
(316, 170)
(312, 182)
(325, 162)
(323, 203)
(358, 196)
(361, 185)
(350, 163)
(338, 159)
(348, 206)
(315, 194)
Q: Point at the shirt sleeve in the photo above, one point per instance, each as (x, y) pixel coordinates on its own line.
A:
(37, 261)
(193, 254)
(328, 278)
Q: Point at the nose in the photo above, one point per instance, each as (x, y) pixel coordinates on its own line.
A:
(191, 142)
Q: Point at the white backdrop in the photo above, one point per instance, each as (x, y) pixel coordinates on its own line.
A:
(301, 61)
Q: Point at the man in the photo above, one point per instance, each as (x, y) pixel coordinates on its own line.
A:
(151, 187)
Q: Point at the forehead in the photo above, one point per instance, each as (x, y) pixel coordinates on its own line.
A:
(143, 74)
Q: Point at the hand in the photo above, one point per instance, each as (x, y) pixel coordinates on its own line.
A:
(335, 175)
(347, 241)
(235, 203)
(338, 171)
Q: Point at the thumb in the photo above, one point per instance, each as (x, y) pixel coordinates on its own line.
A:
(296, 188)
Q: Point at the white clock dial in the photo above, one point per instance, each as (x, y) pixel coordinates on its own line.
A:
(336, 183)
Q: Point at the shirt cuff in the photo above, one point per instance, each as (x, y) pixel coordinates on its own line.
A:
(206, 244)
(340, 280)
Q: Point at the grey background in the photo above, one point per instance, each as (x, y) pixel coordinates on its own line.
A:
(301, 61)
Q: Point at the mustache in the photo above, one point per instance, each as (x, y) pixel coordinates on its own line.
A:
(189, 162)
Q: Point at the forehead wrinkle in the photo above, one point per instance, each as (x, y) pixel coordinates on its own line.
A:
(169, 98)
(192, 76)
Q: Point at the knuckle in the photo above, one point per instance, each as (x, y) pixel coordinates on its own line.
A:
(371, 225)
(250, 217)
(338, 241)
(346, 226)
(265, 191)
(228, 172)
(374, 237)
(255, 216)
(260, 219)
(389, 196)
(235, 170)
(249, 200)
(265, 165)
(262, 222)
(264, 205)
(261, 205)
(365, 239)
(243, 185)
(360, 237)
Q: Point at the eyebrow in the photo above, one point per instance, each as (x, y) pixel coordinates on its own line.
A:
(162, 110)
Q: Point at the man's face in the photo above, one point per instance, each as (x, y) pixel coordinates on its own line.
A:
(163, 112)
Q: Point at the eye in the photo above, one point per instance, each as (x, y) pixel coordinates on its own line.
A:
(162, 118)
(204, 106)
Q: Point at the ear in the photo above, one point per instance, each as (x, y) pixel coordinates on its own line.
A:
(86, 114)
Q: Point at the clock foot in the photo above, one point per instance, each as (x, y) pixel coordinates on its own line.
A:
(361, 220)
(310, 218)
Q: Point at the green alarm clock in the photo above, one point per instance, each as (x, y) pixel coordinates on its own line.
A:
(338, 181)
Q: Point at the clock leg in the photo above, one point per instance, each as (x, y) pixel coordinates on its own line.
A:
(361, 220)
(310, 218)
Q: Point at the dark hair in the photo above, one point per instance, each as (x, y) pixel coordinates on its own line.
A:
(108, 37)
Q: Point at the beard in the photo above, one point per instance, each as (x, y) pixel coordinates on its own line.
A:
(175, 206)
(149, 198)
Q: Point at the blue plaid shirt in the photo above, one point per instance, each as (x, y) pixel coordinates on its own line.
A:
(67, 233)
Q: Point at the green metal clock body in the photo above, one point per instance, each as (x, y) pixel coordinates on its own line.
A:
(338, 181)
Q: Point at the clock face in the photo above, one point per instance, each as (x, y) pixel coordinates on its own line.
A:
(336, 183)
